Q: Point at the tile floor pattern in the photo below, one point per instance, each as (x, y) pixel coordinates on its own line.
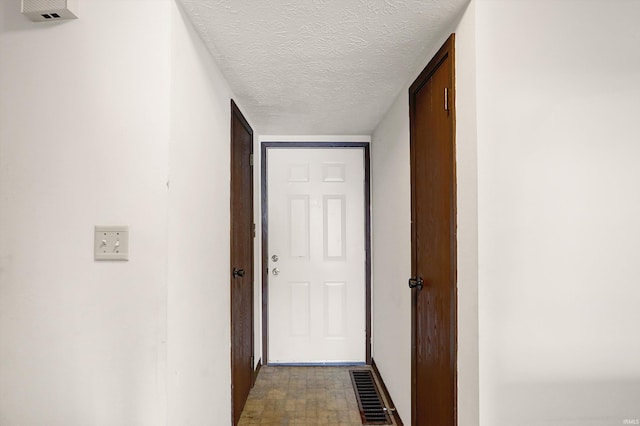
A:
(301, 396)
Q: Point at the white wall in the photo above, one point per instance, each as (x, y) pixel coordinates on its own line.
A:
(199, 178)
(107, 121)
(391, 250)
(467, 218)
(391, 204)
(84, 137)
(558, 155)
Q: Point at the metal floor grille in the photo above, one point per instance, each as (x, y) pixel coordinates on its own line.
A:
(372, 409)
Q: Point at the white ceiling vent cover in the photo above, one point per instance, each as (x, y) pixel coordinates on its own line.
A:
(50, 10)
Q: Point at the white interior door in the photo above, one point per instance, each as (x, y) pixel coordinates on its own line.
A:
(316, 255)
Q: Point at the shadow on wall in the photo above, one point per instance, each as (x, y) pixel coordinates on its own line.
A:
(587, 403)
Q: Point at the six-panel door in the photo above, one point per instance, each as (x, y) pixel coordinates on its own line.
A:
(316, 255)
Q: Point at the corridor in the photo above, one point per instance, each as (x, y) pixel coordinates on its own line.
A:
(302, 396)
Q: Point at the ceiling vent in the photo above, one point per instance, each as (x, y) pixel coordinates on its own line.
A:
(50, 10)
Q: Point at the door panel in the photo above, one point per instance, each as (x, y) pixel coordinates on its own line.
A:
(335, 303)
(316, 222)
(433, 243)
(241, 261)
(299, 226)
(335, 227)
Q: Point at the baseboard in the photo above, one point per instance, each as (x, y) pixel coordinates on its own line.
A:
(256, 370)
(386, 394)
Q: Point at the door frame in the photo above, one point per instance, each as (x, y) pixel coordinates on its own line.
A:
(446, 51)
(264, 146)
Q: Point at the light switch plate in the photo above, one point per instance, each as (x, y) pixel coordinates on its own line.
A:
(111, 243)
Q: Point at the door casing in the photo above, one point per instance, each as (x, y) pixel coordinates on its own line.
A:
(265, 233)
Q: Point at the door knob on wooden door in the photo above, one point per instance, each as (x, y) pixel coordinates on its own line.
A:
(416, 283)
(238, 273)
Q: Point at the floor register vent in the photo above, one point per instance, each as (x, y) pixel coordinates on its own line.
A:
(372, 409)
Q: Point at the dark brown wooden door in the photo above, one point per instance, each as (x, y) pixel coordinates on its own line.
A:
(241, 270)
(434, 242)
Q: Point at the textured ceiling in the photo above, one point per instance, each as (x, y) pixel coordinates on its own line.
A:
(319, 66)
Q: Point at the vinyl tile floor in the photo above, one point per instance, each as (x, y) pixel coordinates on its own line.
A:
(302, 396)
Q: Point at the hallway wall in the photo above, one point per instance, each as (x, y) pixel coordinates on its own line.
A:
(391, 205)
(113, 121)
(84, 140)
(558, 155)
(557, 216)
(391, 247)
(199, 378)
